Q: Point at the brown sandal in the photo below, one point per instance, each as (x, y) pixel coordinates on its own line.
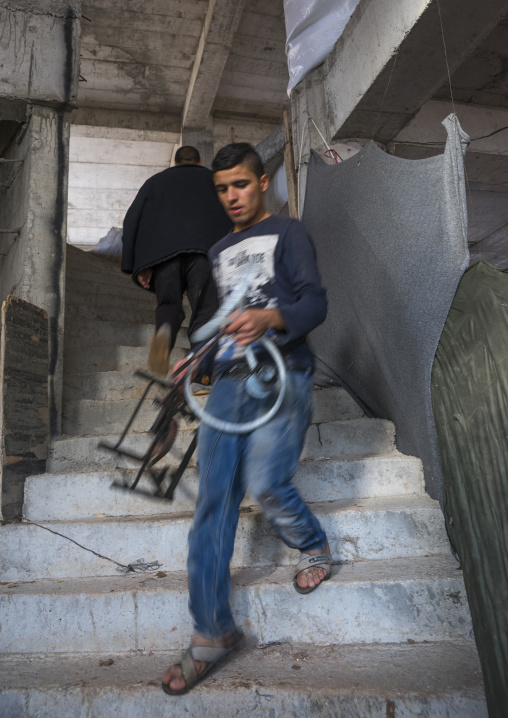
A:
(211, 655)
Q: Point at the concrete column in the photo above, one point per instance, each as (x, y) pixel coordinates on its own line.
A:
(34, 268)
(40, 62)
(308, 112)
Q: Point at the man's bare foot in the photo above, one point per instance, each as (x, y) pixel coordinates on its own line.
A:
(173, 678)
(312, 577)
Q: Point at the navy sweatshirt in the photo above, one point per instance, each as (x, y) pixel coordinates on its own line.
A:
(287, 278)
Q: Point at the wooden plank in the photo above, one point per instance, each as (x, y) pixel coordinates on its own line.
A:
(24, 371)
(97, 150)
(289, 164)
(215, 43)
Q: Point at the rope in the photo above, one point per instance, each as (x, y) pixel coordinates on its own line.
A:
(384, 96)
(446, 56)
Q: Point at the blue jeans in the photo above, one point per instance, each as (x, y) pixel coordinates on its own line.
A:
(262, 462)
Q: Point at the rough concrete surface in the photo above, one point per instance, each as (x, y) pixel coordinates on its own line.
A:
(80, 495)
(357, 530)
(417, 598)
(282, 680)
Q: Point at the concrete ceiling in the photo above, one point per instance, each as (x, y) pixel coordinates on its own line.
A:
(173, 64)
(181, 61)
(482, 79)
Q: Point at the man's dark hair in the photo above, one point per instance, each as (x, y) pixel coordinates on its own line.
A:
(187, 155)
(238, 153)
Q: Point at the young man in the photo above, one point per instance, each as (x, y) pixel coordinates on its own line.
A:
(166, 239)
(285, 298)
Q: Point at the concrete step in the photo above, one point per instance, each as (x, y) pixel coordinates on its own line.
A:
(107, 278)
(289, 680)
(97, 417)
(110, 284)
(70, 496)
(134, 315)
(78, 360)
(341, 439)
(77, 258)
(82, 454)
(392, 527)
(140, 300)
(88, 416)
(88, 287)
(416, 599)
(92, 333)
(104, 386)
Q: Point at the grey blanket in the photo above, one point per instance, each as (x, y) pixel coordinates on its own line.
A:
(390, 235)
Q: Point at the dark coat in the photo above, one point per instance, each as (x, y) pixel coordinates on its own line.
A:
(177, 210)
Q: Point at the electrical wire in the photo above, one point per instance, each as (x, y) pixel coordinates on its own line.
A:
(438, 143)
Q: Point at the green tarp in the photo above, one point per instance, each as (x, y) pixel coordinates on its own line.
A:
(470, 404)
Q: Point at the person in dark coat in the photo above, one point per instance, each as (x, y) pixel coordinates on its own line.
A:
(174, 220)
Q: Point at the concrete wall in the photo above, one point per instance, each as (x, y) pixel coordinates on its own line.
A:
(107, 167)
(243, 131)
(39, 50)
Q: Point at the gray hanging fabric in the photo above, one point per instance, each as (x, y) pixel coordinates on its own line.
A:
(390, 235)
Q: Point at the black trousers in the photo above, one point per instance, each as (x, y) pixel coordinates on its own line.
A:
(191, 273)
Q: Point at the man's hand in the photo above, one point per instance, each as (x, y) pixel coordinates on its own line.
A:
(253, 323)
(175, 374)
(145, 277)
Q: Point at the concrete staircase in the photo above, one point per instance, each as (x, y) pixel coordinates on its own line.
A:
(389, 634)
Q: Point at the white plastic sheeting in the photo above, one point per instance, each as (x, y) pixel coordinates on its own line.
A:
(312, 29)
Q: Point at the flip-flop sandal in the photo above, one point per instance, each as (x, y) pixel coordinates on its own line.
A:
(322, 560)
(211, 655)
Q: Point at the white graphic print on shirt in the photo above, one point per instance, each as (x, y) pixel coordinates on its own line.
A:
(228, 269)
